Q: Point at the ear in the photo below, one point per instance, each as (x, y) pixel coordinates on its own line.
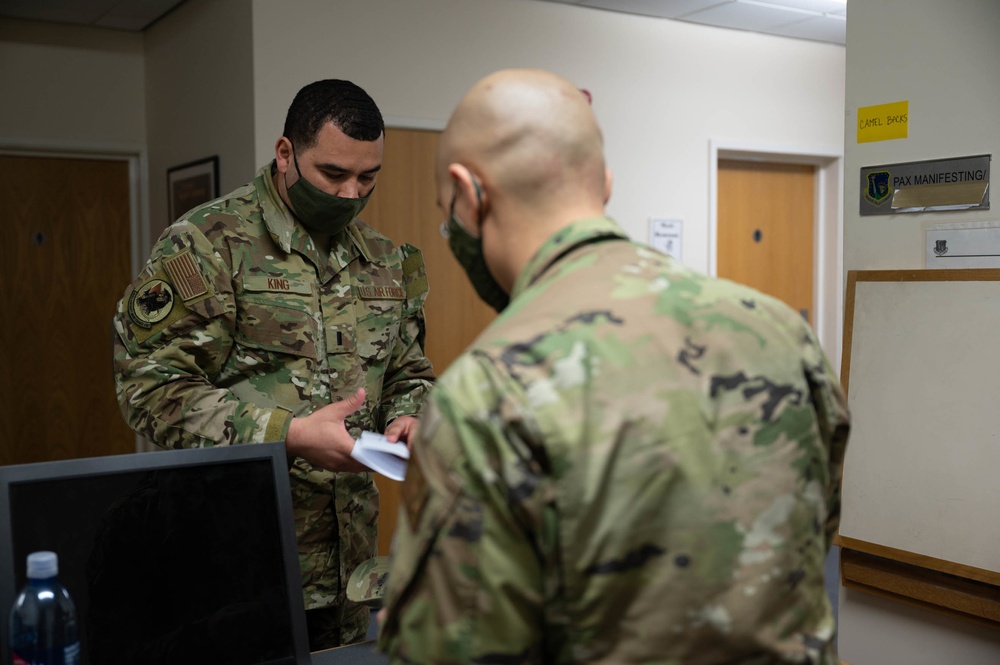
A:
(283, 154)
(471, 198)
(608, 182)
(465, 184)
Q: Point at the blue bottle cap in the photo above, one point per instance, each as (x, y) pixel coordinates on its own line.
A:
(42, 565)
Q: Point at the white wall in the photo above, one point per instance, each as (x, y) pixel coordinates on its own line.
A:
(878, 631)
(70, 87)
(199, 95)
(662, 89)
(943, 57)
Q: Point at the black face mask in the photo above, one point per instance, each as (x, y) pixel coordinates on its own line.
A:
(319, 211)
(468, 250)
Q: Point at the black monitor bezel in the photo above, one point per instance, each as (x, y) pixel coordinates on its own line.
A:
(157, 460)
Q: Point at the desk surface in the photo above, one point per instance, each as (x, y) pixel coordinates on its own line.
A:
(363, 653)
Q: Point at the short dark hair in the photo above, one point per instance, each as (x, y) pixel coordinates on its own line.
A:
(343, 103)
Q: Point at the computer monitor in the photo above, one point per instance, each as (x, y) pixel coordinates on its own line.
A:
(180, 556)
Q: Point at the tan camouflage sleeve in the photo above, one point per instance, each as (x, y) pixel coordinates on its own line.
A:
(173, 330)
(409, 375)
(465, 583)
(834, 424)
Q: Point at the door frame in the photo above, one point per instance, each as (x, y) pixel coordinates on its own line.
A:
(138, 174)
(828, 229)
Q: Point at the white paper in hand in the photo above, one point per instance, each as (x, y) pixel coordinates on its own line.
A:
(378, 454)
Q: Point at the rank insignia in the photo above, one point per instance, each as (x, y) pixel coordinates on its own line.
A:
(150, 303)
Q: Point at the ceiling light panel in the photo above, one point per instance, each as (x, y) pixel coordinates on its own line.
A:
(827, 28)
(661, 8)
(746, 16)
(821, 6)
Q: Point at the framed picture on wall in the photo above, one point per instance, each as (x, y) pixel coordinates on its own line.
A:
(191, 184)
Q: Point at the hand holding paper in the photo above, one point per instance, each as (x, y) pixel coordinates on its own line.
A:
(381, 456)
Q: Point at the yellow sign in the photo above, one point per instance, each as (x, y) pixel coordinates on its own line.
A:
(883, 122)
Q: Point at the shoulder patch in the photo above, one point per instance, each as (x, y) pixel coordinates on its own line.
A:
(184, 274)
(152, 306)
(151, 302)
(414, 271)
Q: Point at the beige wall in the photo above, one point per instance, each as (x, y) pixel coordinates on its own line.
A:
(67, 86)
(943, 57)
(199, 95)
(74, 90)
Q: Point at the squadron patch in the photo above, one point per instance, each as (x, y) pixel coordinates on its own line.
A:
(150, 303)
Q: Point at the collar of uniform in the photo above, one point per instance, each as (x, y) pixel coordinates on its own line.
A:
(580, 232)
(356, 233)
(288, 234)
(278, 217)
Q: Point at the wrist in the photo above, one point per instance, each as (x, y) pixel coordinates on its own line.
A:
(293, 436)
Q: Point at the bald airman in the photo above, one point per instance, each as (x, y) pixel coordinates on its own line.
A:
(634, 463)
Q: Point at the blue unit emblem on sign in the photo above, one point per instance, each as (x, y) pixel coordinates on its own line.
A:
(878, 187)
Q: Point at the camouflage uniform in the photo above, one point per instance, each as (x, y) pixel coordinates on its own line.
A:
(236, 324)
(634, 463)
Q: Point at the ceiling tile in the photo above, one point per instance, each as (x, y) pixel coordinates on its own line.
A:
(132, 15)
(60, 11)
(135, 14)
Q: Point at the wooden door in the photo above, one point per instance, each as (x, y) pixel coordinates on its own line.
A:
(403, 208)
(765, 229)
(64, 263)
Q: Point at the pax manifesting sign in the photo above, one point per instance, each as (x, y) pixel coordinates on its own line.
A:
(960, 183)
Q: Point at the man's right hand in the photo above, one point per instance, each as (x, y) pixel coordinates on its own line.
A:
(322, 439)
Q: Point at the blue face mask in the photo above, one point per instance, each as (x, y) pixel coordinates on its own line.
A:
(468, 251)
(319, 211)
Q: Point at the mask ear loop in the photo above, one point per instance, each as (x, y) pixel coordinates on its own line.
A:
(295, 160)
(443, 226)
(480, 213)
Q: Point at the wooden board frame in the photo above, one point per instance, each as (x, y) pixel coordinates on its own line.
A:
(952, 588)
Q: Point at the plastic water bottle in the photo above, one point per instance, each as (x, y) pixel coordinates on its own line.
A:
(43, 618)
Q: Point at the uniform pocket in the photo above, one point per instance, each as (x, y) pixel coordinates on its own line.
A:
(380, 298)
(275, 327)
